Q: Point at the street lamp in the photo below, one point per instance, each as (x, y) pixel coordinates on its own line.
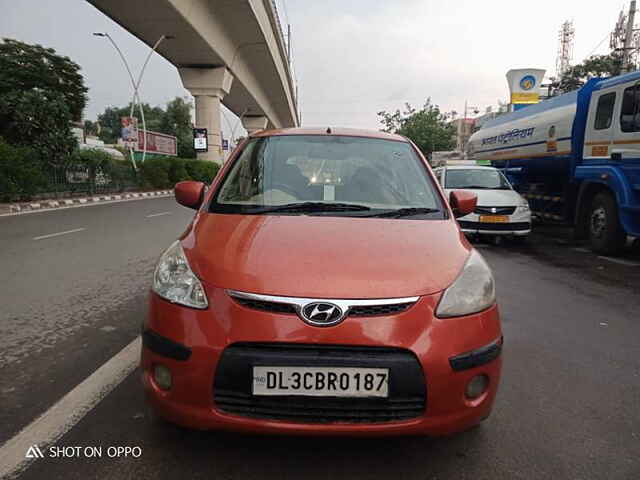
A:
(136, 87)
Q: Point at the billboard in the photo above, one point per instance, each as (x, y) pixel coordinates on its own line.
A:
(524, 85)
(157, 143)
(200, 140)
(129, 131)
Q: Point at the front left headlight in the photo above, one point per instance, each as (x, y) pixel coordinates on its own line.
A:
(472, 292)
(524, 206)
(173, 279)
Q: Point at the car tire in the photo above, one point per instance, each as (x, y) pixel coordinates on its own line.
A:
(606, 235)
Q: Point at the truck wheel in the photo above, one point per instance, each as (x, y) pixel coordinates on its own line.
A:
(605, 233)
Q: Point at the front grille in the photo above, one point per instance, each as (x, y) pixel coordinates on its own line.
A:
(272, 307)
(373, 310)
(233, 383)
(498, 227)
(357, 311)
(498, 210)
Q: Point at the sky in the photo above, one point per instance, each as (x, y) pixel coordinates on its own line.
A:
(352, 58)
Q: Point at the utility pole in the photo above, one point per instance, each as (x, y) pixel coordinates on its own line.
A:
(628, 38)
(463, 134)
(565, 48)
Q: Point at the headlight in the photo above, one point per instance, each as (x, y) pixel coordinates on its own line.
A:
(524, 206)
(173, 279)
(473, 290)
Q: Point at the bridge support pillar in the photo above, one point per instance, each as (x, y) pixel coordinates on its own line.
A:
(208, 86)
(255, 123)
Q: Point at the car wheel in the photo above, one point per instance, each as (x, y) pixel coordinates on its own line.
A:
(605, 232)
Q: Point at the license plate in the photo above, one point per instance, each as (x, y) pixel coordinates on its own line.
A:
(494, 219)
(321, 381)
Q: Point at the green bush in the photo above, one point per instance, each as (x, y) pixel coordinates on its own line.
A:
(201, 170)
(165, 172)
(178, 170)
(22, 173)
(154, 173)
(96, 170)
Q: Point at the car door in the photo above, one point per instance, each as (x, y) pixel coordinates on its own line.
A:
(600, 125)
(625, 149)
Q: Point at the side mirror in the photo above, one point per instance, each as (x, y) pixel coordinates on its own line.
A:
(190, 194)
(462, 202)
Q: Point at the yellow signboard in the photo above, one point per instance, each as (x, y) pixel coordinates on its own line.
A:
(522, 97)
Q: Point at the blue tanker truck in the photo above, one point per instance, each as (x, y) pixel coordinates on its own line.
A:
(576, 158)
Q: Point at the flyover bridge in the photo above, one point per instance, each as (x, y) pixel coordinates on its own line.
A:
(229, 52)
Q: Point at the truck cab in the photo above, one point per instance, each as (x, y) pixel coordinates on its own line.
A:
(609, 171)
(575, 158)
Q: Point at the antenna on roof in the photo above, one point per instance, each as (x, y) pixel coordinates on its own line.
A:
(329, 130)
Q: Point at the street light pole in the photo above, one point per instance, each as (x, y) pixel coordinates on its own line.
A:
(136, 88)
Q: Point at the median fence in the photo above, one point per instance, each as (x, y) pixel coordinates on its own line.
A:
(26, 177)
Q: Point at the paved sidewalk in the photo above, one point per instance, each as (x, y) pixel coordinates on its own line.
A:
(22, 207)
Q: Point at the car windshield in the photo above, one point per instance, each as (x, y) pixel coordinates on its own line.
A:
(476, 178)
(328, 175)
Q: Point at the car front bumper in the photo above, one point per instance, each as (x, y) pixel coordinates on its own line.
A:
(448, 352)
(518, 224)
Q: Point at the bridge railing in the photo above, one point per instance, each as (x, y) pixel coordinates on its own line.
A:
(285, 47)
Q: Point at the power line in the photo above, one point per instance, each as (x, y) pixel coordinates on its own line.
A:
(599, 44)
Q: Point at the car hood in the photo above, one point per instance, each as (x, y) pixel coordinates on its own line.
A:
(325, 257)
(496, 198)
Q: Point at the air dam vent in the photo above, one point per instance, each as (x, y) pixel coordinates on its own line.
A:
(232, 384)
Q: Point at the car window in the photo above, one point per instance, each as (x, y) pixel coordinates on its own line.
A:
(630, 114)
(279, 170)
(604, 111)
(476, 178)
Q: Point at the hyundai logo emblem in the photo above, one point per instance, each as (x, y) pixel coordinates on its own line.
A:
(494, 210)
(322, 314)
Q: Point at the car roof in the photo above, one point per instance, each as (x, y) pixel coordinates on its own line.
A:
(345, 132)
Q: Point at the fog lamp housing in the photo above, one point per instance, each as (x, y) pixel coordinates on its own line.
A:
(162, 377)
(477, 386)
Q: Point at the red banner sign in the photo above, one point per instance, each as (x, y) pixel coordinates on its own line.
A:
(158, 143)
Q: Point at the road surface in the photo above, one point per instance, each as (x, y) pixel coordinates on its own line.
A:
(568, 406)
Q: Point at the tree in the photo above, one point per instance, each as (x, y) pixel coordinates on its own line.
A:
(110, 123)
(427, 128)
(177, 122)
(38, 120)
(91, 128)
(25, 68)
(594, 66)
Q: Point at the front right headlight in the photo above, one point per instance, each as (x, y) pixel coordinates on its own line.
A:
(472, 292)
(174, 280)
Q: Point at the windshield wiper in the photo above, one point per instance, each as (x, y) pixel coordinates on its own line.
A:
(304, 207)
(404, 212)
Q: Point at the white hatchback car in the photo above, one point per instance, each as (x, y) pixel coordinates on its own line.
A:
(500, 211)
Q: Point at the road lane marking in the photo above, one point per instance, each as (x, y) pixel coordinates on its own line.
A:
(51, 235)
(68, 411)
(158, 214)
(620, 261)
(94, 203)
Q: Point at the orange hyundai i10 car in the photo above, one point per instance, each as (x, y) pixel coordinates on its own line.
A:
(323, 287)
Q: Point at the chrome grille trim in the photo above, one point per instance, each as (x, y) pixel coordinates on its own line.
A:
(346, 305)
